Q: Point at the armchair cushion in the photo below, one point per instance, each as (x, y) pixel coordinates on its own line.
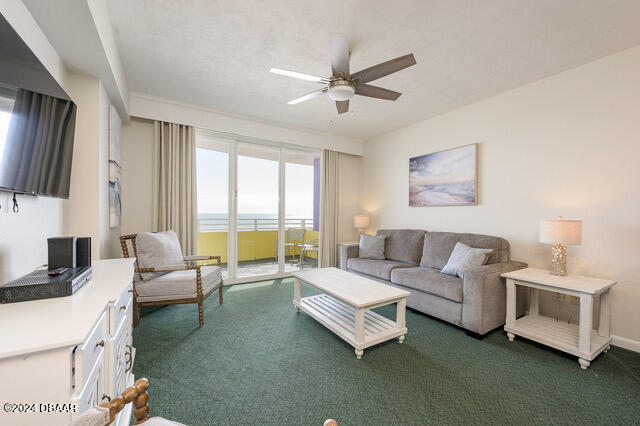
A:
(178, 285)
(156, 249)
(94, 416)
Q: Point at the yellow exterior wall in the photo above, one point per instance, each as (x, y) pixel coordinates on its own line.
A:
(251, 244)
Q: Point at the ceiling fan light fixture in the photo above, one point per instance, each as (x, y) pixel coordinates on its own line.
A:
(341, 90)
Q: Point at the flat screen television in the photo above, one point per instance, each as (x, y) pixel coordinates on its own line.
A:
(37, 123)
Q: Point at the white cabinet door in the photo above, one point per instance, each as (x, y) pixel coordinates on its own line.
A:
(120, 354)
(93, 392)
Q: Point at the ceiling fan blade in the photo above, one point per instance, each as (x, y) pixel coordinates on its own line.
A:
(343, 106)
(376, 92)
(340, 55)
(299, 75)
(308, 96)
(378, 71)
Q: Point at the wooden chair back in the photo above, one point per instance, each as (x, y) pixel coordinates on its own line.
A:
(125, 248)
(136, 394)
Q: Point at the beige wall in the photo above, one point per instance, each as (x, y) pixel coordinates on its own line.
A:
(137, 169)
(86, 213)
(566, 145)
(137, 151)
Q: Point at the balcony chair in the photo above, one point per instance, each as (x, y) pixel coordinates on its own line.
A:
(311, 245)
(293, 238)
(165, 276)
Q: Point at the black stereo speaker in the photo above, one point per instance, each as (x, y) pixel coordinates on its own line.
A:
(62, 252)
(83, 251)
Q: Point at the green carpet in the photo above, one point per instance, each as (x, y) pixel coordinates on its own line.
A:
(256, 361)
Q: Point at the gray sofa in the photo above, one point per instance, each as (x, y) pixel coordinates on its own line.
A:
(413, 262)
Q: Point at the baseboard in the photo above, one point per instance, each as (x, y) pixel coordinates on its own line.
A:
(623, 342)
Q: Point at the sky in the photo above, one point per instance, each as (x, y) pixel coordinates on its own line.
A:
(257, 185)
(452, 165)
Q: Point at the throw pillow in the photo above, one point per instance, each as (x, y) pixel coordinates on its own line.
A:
(465, 257)
(156, 249)
(371, 247)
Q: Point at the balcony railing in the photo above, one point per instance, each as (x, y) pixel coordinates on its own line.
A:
(252, 224)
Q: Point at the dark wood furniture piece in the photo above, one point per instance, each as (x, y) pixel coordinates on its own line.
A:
(200, 296)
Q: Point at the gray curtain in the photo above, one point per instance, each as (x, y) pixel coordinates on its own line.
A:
(174, 184)
(39, 145)
(329, 209)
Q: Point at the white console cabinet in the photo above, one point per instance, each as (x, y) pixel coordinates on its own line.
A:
(69, 352)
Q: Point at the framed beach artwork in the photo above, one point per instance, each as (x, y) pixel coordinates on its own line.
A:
(444, 178)
(115, 168)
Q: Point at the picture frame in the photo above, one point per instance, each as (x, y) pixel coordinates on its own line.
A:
(444, 178)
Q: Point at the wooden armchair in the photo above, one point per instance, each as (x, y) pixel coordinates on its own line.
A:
(176, 285)
(105, 413)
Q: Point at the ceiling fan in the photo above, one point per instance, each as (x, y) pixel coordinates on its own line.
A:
(342, 85)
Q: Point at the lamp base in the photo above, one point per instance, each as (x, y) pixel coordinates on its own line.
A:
(559, 260)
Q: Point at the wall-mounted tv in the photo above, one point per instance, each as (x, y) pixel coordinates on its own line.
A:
(37, 123)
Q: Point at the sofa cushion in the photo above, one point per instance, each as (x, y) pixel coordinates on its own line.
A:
(430, 281)
(371, 247)
(438, 247)
(403, 245)
(376, 268)
(178, 284)
(465, 257)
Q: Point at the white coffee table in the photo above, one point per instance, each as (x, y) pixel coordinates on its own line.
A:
(344, 308)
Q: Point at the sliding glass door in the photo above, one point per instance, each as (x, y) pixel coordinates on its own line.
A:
(258, 210)
(258, 206)
(212, 171)
(302, 209)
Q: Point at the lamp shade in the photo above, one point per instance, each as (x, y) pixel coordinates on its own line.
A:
(560, 231)
(361, 221)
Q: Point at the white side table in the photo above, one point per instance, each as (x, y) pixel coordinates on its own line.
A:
(579, 340)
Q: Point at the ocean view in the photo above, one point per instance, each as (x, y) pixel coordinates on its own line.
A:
(219, 222)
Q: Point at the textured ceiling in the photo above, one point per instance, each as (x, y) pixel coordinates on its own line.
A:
(218, 54)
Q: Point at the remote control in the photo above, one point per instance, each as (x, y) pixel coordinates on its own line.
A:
(55, 272)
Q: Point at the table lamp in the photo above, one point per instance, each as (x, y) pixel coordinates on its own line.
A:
(560, 232)
(361, 221)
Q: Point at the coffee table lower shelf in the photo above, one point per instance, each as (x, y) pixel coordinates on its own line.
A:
(341, 319)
